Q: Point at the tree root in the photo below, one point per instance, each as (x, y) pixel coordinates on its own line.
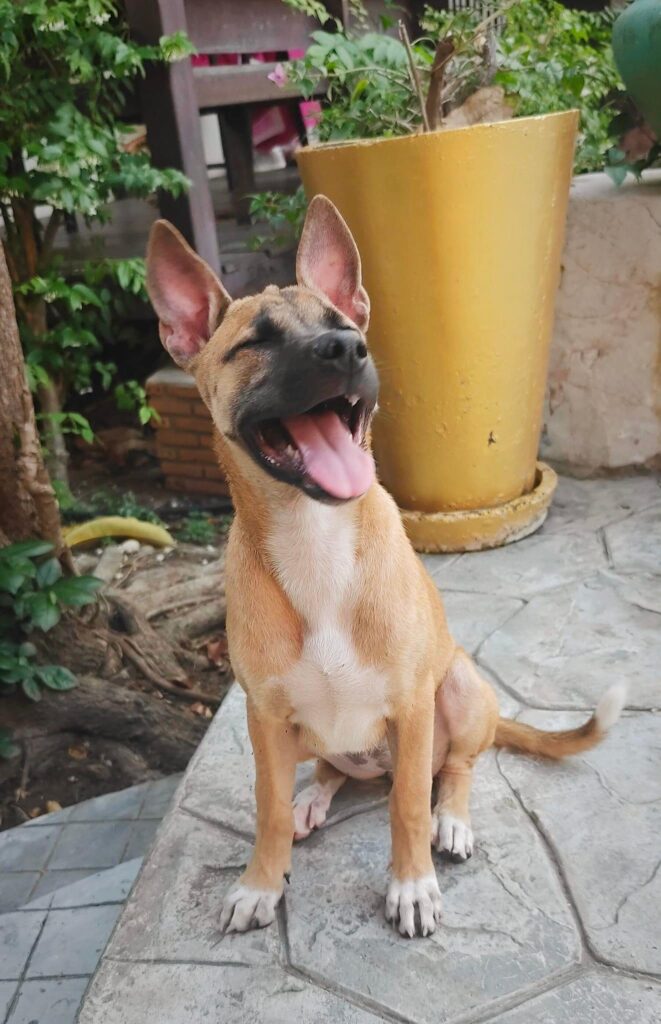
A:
(143, 666)
(206, 620)
(101, 710)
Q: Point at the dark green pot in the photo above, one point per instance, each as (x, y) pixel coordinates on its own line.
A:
(637, 50)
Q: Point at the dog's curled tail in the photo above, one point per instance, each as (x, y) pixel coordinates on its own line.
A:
(519, 736)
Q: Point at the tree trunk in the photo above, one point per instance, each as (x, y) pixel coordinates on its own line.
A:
(28, 507)
(50, 404)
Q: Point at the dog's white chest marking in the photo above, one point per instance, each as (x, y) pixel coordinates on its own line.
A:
(313, 551)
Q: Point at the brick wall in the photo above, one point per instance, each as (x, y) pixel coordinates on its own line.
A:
(184, 437)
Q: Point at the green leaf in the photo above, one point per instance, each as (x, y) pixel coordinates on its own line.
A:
(56, 677)
(13, 673)
(78, 590)
(27, 548)
(31, 689)
(359, 88)
(575, 83)
(11, 579)
(48, 572)
(42, 612)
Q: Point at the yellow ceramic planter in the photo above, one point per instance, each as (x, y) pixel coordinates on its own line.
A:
(460, 234)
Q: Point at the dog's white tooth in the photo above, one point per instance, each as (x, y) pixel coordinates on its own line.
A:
(352, 399)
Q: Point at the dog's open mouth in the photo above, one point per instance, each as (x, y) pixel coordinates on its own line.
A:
(320, 449)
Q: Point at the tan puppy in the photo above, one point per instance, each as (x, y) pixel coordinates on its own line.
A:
(336, 632)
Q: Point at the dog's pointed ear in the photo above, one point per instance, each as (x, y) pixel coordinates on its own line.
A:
(328, 261)
(188, 298)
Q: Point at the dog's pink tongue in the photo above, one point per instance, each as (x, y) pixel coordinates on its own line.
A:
(331, 456)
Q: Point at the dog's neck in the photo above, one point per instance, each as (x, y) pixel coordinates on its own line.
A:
(311, 550)
(297, 539)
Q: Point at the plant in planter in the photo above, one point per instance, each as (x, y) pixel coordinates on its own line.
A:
(460, 232)
(544, 58)
(65, 70)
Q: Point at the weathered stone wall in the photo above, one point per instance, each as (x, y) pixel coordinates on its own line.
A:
(603, 407)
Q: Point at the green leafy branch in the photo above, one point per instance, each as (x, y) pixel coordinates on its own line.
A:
(33, 594)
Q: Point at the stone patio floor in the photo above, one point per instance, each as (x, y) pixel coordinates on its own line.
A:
(556, 918)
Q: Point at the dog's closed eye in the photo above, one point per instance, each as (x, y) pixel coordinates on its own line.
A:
(251, 343)
(264, 332)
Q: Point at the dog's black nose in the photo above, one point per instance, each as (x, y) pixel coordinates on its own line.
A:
(343, 348)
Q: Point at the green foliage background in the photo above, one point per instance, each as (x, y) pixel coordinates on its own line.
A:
(65, 70)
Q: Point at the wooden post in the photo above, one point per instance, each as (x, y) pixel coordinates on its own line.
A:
(236, 133)
(172, 118)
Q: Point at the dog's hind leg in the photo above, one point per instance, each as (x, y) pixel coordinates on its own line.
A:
(465, 723)
(312, 803)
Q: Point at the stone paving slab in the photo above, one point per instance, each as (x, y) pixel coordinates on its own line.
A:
(7, 990)
(538, 563)
(18, 934)
(123, 805)
(601, 814)
(126, 993)
(159, 797)
(50, 947)
(92, 845)
(26, 851)
(110, 886)
(53, 945)
(602, 997)
(142, 836)
(48, 1001)
(568, 645)
(52, 880)
(642, 589)
(58, 849)
(474, 617)
(16, 888)
(72, 941)
(589, 505)
(635, 544)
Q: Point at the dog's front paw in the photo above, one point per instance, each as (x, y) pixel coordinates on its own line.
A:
(451, 835)
(244, 908)
(414, 906)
